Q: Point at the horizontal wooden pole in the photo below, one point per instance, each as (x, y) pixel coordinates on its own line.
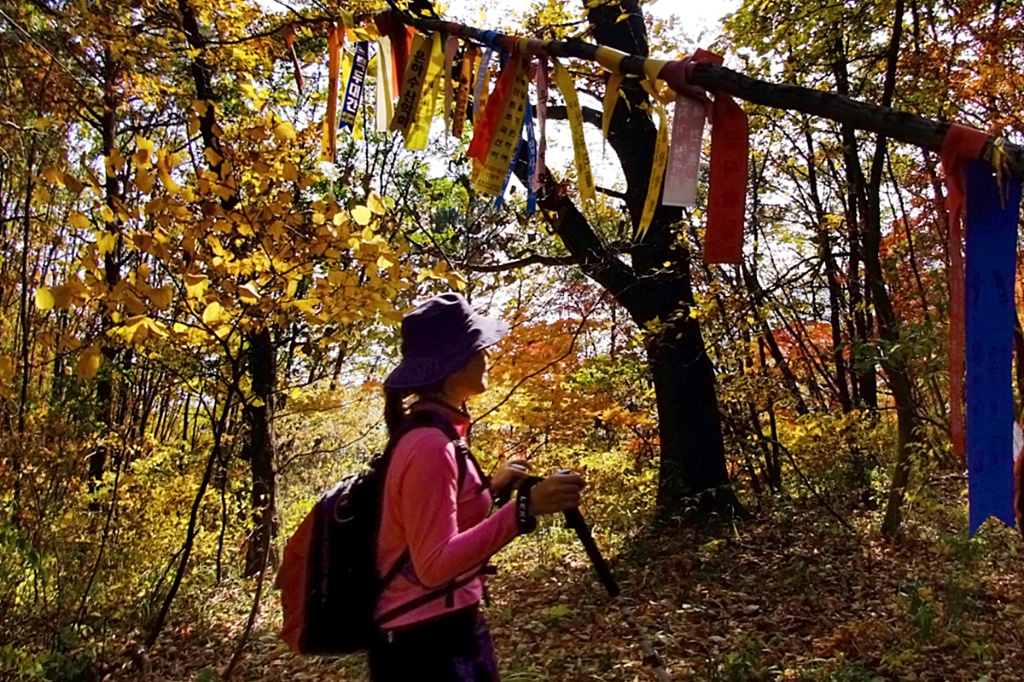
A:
(898, 125)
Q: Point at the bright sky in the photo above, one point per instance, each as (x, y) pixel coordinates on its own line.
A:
(697, 21)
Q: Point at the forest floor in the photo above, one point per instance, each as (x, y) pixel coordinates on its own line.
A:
(790, 595)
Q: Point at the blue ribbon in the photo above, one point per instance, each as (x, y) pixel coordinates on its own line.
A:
(354, 89)
(481, 74)
(531, 161)
(991, 262)
(491, 38)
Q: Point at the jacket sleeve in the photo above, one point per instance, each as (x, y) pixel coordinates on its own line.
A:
(427, 499)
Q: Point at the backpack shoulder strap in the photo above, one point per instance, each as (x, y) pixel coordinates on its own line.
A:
(463, 455)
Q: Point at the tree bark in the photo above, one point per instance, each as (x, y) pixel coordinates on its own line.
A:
(259, 447)
(893, 364)
(835, 296)
(262, 356)
(97, 459)
(857, 211)
(693, 475)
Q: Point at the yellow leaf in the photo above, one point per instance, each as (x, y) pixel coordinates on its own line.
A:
(284, 131)
(200, 105)
(42, 124)
(162, 297)
(195, 285)
(53, 176)
(78, 220)
(376, 204)
(107, 214)
(88, 363)
(144, 180)
(361, 215)
(169, 184)
(247, 293)
(62, 296)
(144, 144)
(213, 314)
(212, 157)
(44, 299)
(73, 184)
(6, 368)
(114, 162)
(106, 243)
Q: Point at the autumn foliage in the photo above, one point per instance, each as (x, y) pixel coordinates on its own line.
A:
(198, 305)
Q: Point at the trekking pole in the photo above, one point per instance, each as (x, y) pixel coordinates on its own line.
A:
(574, 519)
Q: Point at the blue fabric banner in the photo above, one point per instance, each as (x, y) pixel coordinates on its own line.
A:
(481, 77)
(531, 162)
(354, 90)
(992, 214)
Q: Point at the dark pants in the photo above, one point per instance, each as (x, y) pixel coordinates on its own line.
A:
(455, 648)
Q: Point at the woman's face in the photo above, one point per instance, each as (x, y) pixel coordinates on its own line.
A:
(470, 380)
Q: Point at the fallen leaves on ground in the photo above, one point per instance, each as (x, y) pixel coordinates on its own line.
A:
(788, 596)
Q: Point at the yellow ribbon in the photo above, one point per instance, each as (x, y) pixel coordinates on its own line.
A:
(469, 62)
(657, 174)
(385, 103)
(611, 96)
(420, 129)
(348, 22)
(653, 67)
(659, 90)
(572, 104)
(330, 133)
(490, 178)
(611, 59)
(1000, 160)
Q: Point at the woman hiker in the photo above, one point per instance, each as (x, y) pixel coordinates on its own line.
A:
(436, 531)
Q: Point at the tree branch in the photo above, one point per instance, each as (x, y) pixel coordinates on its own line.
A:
(591, 116)
(532, 259)
(899, 125)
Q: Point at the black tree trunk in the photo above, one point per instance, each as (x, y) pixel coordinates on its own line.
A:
(259, 447)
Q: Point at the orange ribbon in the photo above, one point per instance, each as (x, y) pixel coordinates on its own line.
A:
(335, 37)
(484, 127)
(960, 145)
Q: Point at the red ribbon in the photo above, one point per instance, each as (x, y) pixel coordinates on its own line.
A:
(730, 153)
(483, 129)
(400, 36)
(960, 145)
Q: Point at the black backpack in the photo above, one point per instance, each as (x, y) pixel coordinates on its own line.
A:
(328, 576)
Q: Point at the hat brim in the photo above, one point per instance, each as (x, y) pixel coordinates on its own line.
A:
(413, 374)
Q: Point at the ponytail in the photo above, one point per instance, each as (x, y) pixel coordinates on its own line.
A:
(394, 410)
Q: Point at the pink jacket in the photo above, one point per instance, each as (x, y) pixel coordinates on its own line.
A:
(448, 532)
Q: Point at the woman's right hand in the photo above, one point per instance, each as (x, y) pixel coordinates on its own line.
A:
(556, 493)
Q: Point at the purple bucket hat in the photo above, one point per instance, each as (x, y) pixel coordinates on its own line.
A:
(438, 338)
